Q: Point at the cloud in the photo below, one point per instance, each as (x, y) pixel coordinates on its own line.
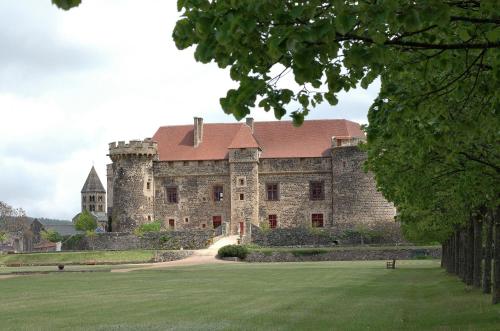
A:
(71, 82)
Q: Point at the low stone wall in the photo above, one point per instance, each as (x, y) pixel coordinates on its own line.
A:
(347, 255)
(387, 233)
(299, 236)
(169, 240)
(173, 255)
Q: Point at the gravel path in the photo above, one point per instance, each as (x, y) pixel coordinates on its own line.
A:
(201, 256)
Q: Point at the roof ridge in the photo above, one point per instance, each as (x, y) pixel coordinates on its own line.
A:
(273, 121)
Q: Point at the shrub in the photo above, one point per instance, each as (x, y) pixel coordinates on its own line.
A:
(154, 226)
(73, 242)
(85, 222)
(233, 251)
(51, 235)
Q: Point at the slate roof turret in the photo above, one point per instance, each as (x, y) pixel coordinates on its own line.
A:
(93, 183)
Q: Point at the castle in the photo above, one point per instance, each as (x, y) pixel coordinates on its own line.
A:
(267, 174)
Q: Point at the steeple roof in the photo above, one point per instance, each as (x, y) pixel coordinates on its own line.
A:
(93, 183)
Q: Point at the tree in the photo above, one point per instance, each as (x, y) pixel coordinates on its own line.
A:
(7, 210)
(52, 236)
(86, 222)
(3, 237)
(333, 45)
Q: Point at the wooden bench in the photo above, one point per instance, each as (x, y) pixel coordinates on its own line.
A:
(391, 264)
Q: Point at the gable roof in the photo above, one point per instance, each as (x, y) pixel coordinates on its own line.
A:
(277, 139)
(93, 183)
(243, 139)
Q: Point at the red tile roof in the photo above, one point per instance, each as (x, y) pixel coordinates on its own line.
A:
(244, 139)
(276, 139)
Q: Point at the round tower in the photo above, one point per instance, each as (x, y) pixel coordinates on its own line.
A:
(132, 183)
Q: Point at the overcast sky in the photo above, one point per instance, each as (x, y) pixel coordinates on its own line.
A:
(71, 82)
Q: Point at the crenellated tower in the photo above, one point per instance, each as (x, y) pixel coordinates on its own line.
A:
(132, 183)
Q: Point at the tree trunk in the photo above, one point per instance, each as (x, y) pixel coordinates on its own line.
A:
(463, 257)
(478, 250)
(496, 258)
(469, 252)
(443, 254)
(456, 248)
(487, 253)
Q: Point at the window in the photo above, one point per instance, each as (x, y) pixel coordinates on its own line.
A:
(149, 218)
(203, 225)
(148, 185)
(240, 181)
(99, 198)
(172, 194)
(216, 221)
(186, 220)
(317, 190)
(317, 220)
(171, 223)
(84, 199)
(273, 221)
(218, 193)
(92, 208)
(92, 198)
(272, 192)
(100, 208)
(242, 196)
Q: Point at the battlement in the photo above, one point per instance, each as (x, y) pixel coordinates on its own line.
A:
(341, 141)
(146, 147)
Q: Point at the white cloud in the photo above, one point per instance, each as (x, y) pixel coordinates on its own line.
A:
(71, 82)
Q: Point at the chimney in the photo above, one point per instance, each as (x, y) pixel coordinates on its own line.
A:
(198, 131)
(250, 122)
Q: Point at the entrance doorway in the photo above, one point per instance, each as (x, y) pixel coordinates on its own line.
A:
(216, 221)
(242, 228)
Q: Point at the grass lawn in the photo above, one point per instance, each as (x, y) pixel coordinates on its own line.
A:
(268, 296)
(78, 257)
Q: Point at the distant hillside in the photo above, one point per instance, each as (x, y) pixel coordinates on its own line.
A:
(50, 221)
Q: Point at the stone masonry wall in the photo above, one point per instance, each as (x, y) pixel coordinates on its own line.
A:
(132, 200)
(349, 255)
(383, 233)
(195, 181)
(356, 200)
(244, 173)
(186, 239)
(293, 176)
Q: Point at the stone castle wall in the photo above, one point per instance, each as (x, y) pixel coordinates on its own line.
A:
(356, 200)
(293, 176)
(244, 176)
(195, 182)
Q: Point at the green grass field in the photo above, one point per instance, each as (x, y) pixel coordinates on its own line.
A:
(78, 257)
(289, 296)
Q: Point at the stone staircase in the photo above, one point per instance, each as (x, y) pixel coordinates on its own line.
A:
(214, 248)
